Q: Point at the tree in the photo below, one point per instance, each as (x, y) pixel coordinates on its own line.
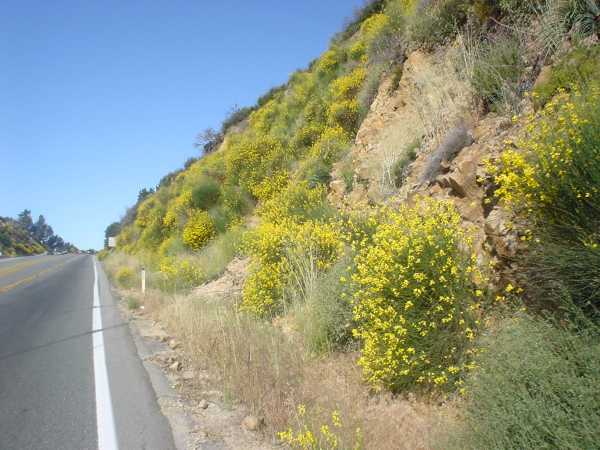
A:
(24, 219)
(208, 140)
(112, 230)
(144, 193)
(41, 231)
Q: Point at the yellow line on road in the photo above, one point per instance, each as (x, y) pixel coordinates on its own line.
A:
(20, 266)
(8, 287)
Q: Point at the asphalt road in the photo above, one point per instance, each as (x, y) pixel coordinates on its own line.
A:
(70, 375)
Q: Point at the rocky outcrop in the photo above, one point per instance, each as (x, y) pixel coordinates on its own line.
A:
(450, 163)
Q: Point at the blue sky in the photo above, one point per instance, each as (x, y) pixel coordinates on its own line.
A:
(99, 99)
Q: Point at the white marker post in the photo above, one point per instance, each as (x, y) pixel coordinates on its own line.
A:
(143, 281)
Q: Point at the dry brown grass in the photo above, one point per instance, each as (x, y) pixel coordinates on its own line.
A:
(267, 369)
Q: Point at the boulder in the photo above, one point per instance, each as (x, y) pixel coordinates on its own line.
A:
(251, 423)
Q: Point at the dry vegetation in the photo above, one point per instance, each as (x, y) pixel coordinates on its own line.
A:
(370, 326)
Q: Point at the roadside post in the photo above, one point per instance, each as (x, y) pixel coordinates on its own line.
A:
(143, 281)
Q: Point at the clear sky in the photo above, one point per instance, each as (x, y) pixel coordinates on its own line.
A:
(99, 99)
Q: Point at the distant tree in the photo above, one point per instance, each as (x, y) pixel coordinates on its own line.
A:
(24, 219)
(143, 194)
(189, 162)
(41, 231)
(208, 140)
(55, 243)
(112, 230)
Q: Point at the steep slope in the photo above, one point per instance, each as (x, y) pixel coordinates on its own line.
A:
(408, 204)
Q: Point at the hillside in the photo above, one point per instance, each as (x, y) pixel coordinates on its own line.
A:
(23, 237)
(16, 240)
(399, 247)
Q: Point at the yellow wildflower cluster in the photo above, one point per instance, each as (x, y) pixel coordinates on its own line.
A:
(277, 247)
(552, 167)
(252, 158)
(416, 300)
(347, 86)
(125, 277)
(180, 273)
(270, 186)
(373, 26)
(178, 208)
(328, 62)
(328, 436)
(330, 144)
(295, 201)
(145, 213)
(198, 230)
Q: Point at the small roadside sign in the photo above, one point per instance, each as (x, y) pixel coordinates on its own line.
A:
(112, 242)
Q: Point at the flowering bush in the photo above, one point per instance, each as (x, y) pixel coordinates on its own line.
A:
(180, 273)
(280, 252)
(252, 158)
(554, 173)
(330, 144)
(125, 277)
(296, 202)
(178, 208)
(416, 299)
(551, 181)
(347, 86)
(344, 114)
(198, 230)
(328, 62)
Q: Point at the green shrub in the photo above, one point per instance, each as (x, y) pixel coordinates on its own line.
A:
(220, 219)
(236, 200)
(316, 172)
(179, 274)
(345, 114)
(574, 70)
(437, 24)
(536, 387)
(125, 277)
(416, 301)
(132, 303)
(399, 170)
(498, 72)
(206, 193)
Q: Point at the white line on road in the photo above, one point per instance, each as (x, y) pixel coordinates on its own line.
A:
(105, 421)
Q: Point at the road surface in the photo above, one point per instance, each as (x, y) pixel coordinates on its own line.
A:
(70, 376)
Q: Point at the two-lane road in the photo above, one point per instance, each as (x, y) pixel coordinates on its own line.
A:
(70, 376)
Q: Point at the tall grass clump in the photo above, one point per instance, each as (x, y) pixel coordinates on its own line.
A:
(323, 313)
(416, 299)
(498, 70)
(436, 23)
(535, 387)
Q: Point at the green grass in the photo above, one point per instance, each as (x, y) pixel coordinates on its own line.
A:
(536, 388)
(132, 303)
(497, 73)
(324, 316)
(574, 70)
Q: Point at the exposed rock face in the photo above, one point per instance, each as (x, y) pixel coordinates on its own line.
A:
(227, 286)
(422, 109)
(450, 161)
(457, 139)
